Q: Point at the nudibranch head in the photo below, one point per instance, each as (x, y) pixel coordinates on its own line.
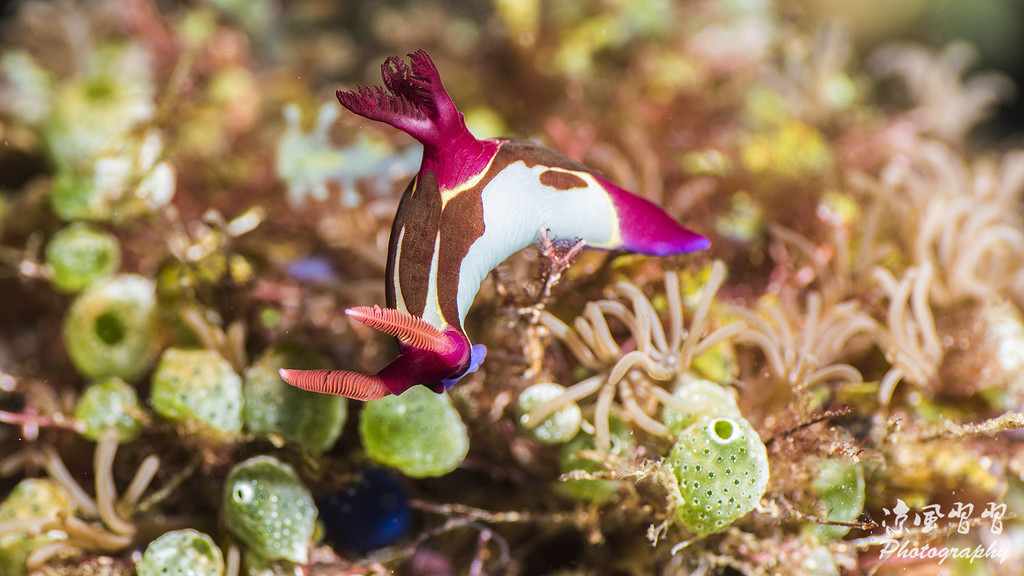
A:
(414, 101)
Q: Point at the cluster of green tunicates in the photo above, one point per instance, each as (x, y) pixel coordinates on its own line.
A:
(722, 469)
(80, 254)
(418, 432)
(109, 329)
(561, 426)
(198, 388)
(312, 421)
(123, 185)
(182, 553)
(703, 399)
(268, 508)
(93, 111)
(110, 402)
(105, 169)
(839, 484)
(578, 455)
(32, 498)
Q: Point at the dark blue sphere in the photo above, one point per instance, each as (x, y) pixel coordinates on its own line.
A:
(370, 513)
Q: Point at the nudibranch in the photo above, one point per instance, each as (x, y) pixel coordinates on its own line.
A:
(472, 204)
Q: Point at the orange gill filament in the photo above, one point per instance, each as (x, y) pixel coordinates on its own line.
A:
(337, 382)
(411, 330)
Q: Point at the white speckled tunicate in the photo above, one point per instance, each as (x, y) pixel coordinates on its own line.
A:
(722, 469)
(558, 428)
(182, 553)
(269, 509)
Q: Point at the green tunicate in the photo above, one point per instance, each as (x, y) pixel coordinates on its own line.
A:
(310, 420)
(32, 498)
(703, 398)
(108, 331)
(117, 188)
(110, 402)
(840, 486)
(74, 195)
(559, 427)
(419, 433)
(197, 387)
(105, 168)
(574, 456)
(269, 509)
(182, 553)
(80, 254)
(722, 469)
(95, 112)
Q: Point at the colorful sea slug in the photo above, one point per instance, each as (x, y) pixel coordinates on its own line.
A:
(473, 204)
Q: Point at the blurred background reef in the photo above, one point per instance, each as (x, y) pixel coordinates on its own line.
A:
(185, 209)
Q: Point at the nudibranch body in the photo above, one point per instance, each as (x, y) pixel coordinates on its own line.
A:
(473, 204)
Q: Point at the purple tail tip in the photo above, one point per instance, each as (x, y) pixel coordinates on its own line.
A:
(647, 229)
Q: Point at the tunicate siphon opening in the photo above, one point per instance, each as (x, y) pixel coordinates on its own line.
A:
(203, 547)
(109, 328)
(243, 493)
(723, 430)
(98, 90)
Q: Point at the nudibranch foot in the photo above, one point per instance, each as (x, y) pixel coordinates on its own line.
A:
(337, 382)
(476, 357)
